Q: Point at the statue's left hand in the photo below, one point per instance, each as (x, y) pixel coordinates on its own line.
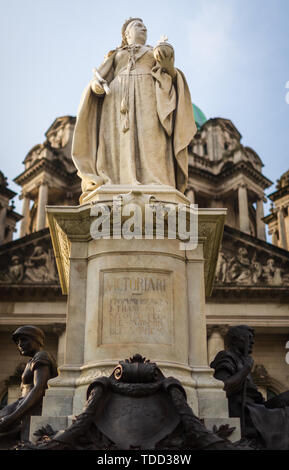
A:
(164, 55)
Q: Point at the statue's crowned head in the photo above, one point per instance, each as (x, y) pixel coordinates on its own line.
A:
(129, 24)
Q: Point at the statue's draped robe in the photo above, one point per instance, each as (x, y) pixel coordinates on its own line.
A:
(138, 134)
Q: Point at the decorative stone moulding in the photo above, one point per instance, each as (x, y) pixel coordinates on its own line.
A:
(72, 224)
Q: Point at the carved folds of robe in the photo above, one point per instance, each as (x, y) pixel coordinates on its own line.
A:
(140, 132)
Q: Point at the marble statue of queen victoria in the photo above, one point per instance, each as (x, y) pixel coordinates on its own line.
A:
(135, 120)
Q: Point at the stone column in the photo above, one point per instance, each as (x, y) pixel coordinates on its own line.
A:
(282, 230)
(211, 397)
(25, 212)
(274, 237)
(216, 335)
(76, 305)
(261, 233)
(59, 330)
(243, 208)
(42, 202)
(3, 212)
(191, 196)
(59, 399)
(196, 309)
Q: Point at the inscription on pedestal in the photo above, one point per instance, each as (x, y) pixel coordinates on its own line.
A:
(136, 307)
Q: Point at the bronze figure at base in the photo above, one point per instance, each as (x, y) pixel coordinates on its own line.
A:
(39, 369)
(138, 408)
(264, 424)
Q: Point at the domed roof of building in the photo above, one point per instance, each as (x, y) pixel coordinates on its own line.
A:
(200, 118)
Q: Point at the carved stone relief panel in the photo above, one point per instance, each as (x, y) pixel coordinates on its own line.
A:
(242, 264)
(30, 263)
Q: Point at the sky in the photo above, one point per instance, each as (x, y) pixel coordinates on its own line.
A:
(234, 53)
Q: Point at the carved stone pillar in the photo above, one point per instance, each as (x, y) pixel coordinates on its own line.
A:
(59, 330)
(261, 233)
(191, 196)
(274, 237)
(3, 212)
(216, 334)
(42, 202)
(196, 302)
(25, 212)
(282, 229)
(243, 208)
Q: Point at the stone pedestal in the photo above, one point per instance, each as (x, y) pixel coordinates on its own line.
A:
(142, 296)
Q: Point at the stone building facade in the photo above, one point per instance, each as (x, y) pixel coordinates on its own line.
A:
(252, 276)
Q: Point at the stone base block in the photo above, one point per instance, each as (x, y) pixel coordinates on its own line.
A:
(59, 402)
(56, 422)
(212, 401)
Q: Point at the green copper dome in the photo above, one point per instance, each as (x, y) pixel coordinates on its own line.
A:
(200, 118)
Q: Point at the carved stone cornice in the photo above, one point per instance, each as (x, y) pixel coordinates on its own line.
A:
(72, 224)
(242, 167)
(13, 215)
(51, 166)
(7, 192)
(279, 193)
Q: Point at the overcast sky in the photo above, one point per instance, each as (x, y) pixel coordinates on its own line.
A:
(234, 53)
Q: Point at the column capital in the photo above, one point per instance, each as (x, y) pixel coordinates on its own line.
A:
(58, 328)
(221, 329)
(282, 210)
(24, 194)
(42, 182)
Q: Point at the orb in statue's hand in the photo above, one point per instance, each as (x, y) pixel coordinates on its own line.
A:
(165, 56)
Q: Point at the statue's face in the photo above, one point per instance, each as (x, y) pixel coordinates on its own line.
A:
(243, 252)
(27, 346)
(136, 33)
(245, 342)
(271, 263)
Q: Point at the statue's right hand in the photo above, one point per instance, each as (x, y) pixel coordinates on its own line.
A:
(96, 86)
